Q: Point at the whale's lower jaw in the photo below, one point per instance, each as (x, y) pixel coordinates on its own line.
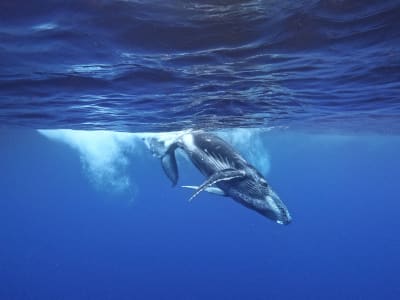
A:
(273, 208)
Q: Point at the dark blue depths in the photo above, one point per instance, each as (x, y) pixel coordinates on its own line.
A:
(63, 239)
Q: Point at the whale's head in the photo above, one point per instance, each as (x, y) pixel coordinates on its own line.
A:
(255, 193)
(272, 207)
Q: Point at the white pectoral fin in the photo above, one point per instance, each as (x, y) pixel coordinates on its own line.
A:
(193, 187)
(224, 175)
(210, 189)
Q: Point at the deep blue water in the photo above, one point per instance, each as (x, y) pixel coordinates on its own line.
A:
(308, 91)
(65, 238)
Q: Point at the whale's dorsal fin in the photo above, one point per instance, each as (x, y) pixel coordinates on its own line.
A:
(169, 165)
(217, 177)
(209, 189)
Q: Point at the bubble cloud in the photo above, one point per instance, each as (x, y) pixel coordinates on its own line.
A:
(107, 156)
(104, 155)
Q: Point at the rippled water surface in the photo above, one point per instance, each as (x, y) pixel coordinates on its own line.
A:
(168, 65)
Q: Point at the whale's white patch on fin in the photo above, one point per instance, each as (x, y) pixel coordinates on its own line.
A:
(217, 177)
(210, 189)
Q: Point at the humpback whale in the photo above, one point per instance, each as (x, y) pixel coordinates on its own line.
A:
(227, 173)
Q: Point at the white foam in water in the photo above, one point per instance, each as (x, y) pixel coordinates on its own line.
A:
(106, 155)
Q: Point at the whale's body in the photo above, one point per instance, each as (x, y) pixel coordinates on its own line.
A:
(227, 173)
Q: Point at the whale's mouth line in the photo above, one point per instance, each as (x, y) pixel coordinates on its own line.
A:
(286, 222)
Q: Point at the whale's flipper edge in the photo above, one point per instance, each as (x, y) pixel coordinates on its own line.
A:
(209, 189)
(217, 177)
(168, 162)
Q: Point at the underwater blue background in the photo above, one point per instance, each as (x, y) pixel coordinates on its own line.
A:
(62, 238)
(88, 216)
